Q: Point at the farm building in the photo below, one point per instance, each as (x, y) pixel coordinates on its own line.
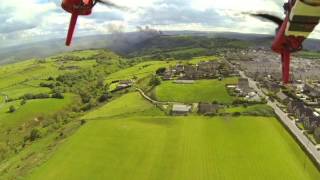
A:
(180, 110)
(184, 81)
(208, 108)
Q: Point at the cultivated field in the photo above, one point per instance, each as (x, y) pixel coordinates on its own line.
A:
(179, 148)
(211, 90)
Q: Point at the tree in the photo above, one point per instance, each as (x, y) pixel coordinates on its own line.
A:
(104, 97)
(23, 102)
(57, 95)
(236, 114)
(161, 71)
(155, 81)
(34, 134)
(12, 109)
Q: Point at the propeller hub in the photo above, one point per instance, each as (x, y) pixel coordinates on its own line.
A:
(78, 7)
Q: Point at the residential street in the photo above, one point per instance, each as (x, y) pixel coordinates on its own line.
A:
(288, 122)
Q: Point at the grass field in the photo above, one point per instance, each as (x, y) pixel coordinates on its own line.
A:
(28, 112)
(211, 90)
(197, 60)
(179, 148)
(140, 70)
(134, 104)
(19, 90)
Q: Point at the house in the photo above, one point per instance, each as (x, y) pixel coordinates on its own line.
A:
(317, 134)
(307, 112)
(243, 84)
(208, 108)
(312, 90)
(190, 72)
(282, 97)
(123, 84)
(253, 97)
(209, 67)
(180, 110)
(167, 76)
(179, 69)
(184, 81)
(311, 122)
(272, 86)
(294, 105)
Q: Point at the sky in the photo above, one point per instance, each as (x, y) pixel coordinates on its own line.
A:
(24, 21)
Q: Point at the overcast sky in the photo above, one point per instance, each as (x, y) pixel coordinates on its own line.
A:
(33, 20)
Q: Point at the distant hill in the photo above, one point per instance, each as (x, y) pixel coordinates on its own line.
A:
(130, 43)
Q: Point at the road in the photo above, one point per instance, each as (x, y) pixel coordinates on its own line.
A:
(287, 122)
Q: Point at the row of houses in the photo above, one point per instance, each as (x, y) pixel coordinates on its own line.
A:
(306, 115)
(202, 70)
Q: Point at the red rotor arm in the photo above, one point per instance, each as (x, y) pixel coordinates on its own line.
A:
(285, 45)
(76, 8)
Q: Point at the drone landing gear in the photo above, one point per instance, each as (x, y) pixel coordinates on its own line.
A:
(285, 57)
(72, 26)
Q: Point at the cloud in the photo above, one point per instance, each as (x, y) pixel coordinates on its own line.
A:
(25, 21)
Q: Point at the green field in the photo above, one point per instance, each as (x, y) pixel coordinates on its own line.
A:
(211, 90)
(134, 104)
(140, 70)
(93, 134)
(197, 60)
(179, 148)
(30, 111)
(19, 90)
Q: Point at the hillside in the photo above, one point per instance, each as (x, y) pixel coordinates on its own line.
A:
(138, 42)
(95, 114)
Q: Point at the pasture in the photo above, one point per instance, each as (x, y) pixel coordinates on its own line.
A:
(29, 112)
(140, 70)
(127, 105)
(211, 90)
(177, 148)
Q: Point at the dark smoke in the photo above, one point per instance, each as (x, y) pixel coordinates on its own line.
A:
(124, 43)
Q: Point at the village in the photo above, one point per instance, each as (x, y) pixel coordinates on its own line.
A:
(300, 99)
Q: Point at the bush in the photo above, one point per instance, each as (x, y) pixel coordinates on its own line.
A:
(160, 71)
(23, 102)
(57, 95)
(82, 122)
(48, 85)
(28, 96)
(104, 97)
(34, 134)
(155, 81)
(42, 96)
(12, 109)
(236, 114)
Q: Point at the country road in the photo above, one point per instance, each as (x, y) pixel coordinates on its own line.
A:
(287, 122)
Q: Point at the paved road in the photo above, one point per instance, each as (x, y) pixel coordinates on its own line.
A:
(288, 122)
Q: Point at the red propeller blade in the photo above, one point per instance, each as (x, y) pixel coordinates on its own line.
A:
(72, 26)
(86, 1)
(285, 56)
